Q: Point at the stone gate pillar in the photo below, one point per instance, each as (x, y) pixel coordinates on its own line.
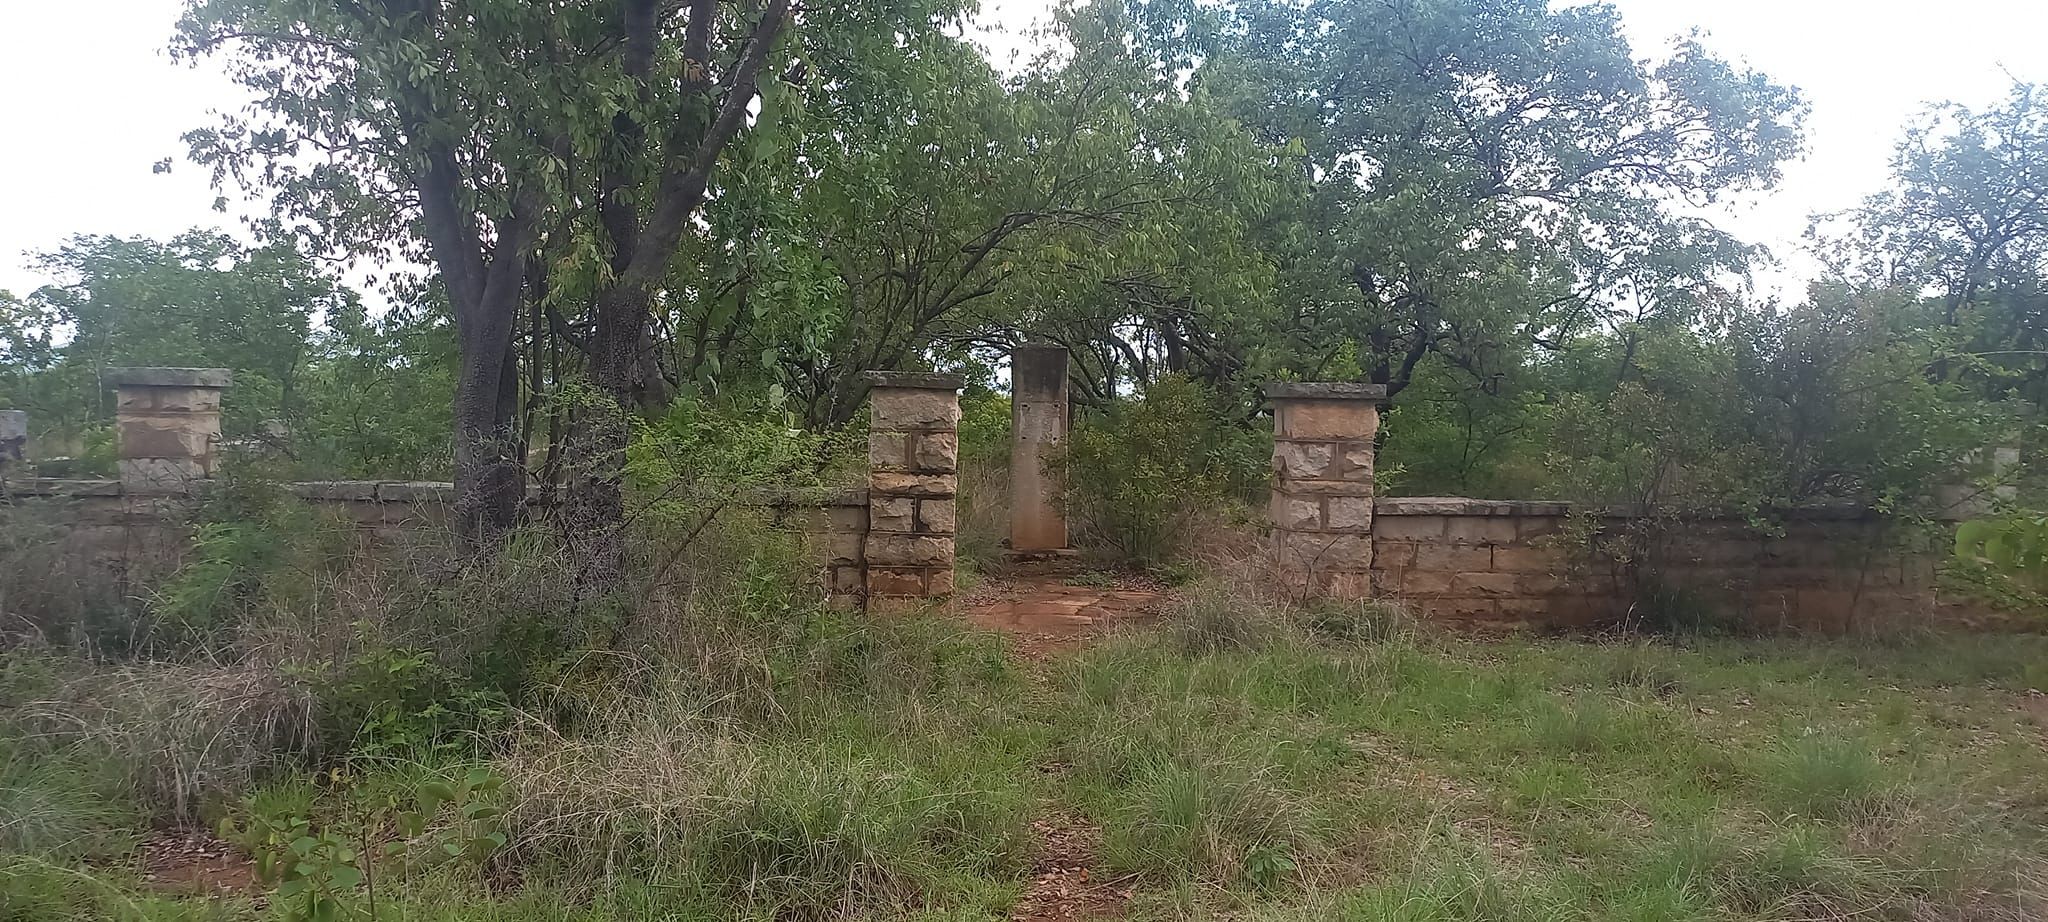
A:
(913, 461)
(1038, 425)
(1321, 509)
(167, 422)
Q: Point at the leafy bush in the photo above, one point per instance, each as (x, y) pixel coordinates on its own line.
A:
(2014, 548)
(1138, 478)
(257, 550)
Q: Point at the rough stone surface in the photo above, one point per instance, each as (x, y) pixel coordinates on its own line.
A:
(935, 516)
(891, 483)
(1349, 513)
(907, 409)
(936, 451)
(1302, 460)
(1328, 419)
(892, 514)
(1039, 424)
(1497, 564)
(1289, 512)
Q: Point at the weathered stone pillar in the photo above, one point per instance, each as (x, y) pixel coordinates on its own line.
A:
(1321, 507)
(168, 424)
(913, 461)
(1038, 426)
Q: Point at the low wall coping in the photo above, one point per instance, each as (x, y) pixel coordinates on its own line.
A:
(170, 377)
(1468, 506)
(1461, 505)
(921, 380)
(1325, 390)
(52, 486)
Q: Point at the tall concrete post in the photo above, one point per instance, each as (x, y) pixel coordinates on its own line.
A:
(913, 463)
(1038, 426)
(167, 425)
(1321, 507)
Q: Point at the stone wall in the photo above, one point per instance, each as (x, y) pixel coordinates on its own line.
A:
(890, 541)
(1504, 563)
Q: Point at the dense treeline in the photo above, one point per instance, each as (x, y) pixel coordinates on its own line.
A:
(1490, 206)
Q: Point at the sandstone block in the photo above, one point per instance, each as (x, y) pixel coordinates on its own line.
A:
(1392, 553)
(894, 550)
(1486, 582)
(936, 451)
(844, 550)
(1328, 487)
(185, 399)
(1348, 584)
(1458, 611)
(161, 474)
(892, 514)
(1451, 557)
(1303, 460)
(1295, 513)
(847, 579)
(162, 437)
(1481, 529)
(939, 583)
(921, 485)
(1420, 528)
(895, 582)
(1354, 461)
(849, 519)
(1424, 582)
(935, 516)
(1328, 419)
(896, 408)
(1529, 559)
(1349, 513)
(1318, 551)
(888, 451)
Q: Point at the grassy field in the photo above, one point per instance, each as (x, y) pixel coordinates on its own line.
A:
(1220, 766)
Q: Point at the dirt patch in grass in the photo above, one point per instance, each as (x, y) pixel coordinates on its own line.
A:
(1066, 883)
(196, 863)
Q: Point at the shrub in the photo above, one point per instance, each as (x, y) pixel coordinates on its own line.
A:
(175, 733)
(1139, 477)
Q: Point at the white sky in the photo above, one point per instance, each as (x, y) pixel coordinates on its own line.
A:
(88, 102)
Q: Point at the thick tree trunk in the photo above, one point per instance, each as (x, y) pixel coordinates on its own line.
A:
(489, 465)
(597, 499)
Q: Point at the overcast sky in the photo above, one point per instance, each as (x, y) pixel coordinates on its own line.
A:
(88, 102)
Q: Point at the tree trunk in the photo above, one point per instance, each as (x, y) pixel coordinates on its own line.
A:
(597, 513)
(489, 468)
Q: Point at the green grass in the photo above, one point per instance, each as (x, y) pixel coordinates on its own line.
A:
(1347, 772)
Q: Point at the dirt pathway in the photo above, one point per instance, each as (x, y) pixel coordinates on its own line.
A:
(1046, 616)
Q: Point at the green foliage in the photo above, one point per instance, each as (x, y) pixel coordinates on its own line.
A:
(384, 702)
(1139, 477)
(257, 548)
(321, 873)
(2014, 548)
